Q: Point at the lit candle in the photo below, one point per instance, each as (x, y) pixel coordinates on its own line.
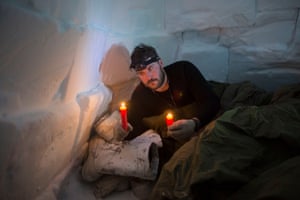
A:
(169, 119)
(123, 112)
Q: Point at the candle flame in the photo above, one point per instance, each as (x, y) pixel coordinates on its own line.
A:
(123, 105)
(169, 116)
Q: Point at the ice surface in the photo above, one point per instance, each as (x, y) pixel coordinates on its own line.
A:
(56, 57)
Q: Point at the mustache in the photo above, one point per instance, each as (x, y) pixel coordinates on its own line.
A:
(151, 80)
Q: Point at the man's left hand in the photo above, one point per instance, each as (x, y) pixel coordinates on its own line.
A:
(182, 129)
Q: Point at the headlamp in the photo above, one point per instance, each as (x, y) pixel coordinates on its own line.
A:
(144, 63)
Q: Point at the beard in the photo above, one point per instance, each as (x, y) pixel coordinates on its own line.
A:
(156, 83)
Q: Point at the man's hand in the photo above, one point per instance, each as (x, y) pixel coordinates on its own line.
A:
(182, 129)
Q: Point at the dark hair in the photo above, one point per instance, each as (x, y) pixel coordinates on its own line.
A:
(142, 56)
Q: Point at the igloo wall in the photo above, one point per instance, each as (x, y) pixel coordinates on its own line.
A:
(52, 90)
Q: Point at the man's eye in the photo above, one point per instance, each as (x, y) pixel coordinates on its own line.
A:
(140, 73)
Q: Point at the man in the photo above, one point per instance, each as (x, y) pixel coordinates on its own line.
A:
(179, 88)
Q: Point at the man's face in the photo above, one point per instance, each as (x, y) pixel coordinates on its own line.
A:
(152, 76)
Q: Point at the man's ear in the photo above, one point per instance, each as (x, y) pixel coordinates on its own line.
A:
(160, 62)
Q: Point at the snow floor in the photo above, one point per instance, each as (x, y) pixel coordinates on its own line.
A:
(75, 188)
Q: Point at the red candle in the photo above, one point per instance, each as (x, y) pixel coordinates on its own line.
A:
(169, 119)
(123, 112)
